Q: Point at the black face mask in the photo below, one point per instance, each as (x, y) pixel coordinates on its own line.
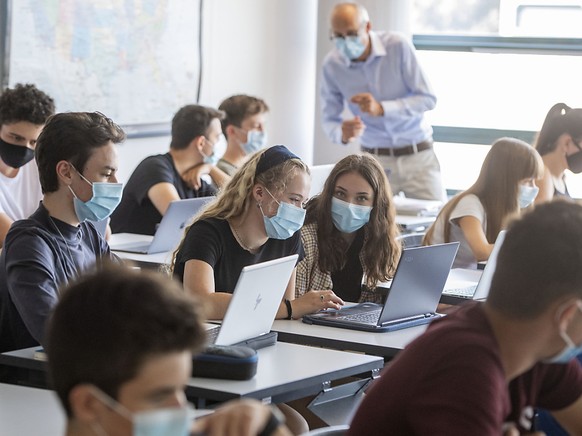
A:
(15, 156)
(575, 162)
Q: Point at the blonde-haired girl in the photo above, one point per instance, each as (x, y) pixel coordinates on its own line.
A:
(254, 219)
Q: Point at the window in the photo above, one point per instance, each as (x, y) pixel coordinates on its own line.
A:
(497, 67)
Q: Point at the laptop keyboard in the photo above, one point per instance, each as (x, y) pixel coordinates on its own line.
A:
(212, 334)
(462, 292)
(362, 317)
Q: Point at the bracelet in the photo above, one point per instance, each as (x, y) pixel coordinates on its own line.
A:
(289, 309)
(276, 418)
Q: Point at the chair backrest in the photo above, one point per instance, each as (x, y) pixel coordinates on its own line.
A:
(411, 240)
(334, 430)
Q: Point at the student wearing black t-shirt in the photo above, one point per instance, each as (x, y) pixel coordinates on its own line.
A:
(163, 178)
(237, 230)
(350, 233)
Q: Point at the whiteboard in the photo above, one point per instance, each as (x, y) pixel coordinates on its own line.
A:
(136, 61)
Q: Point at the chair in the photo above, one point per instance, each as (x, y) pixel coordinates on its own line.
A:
(334, 430)
(410, 240)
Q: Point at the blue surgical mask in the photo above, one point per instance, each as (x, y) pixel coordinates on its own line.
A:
(348, 217)
(106, 197)
(351, 47)
(570, 351)
(527, 194)
(174, 421)
(256, 140)
(286, 222)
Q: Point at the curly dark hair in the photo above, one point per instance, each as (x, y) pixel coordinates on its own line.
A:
(25, 103)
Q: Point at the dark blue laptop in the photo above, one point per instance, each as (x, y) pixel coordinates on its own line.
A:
(412, 299)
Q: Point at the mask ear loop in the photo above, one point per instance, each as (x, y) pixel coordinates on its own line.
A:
(565, 337)
(111, 403)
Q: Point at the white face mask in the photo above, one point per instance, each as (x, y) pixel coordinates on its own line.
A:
(527, 194)
(174, 421)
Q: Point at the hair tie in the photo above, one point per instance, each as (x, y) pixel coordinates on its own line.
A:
(272, 157)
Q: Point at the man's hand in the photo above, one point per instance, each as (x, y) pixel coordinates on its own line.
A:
(352, 129)
(192, 176)
(237, 418)
(368, 104)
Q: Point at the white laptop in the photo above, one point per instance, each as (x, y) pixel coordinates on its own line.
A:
(256, 298)
(463, 289)
(170, 229)
(413, 297)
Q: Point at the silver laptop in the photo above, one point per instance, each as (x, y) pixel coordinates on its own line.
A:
(412, 299)
(480, 288)
(256, 298)
(170, 229)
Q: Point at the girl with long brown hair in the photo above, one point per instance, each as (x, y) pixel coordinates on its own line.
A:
(506, 184)
(350, 233)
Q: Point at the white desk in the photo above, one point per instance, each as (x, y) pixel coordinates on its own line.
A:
(287, 372)
(386, 344)
(414, 223)
(28, 411)
(152, 261)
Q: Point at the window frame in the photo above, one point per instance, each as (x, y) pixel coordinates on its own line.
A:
(492, 44)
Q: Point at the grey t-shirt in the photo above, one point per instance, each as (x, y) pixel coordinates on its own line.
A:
(40, 255)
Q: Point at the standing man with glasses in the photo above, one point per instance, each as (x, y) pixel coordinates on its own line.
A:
(377, 74)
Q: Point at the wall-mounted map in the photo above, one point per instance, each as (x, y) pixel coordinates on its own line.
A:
(134, 60)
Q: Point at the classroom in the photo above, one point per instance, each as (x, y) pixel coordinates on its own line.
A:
(390, 188)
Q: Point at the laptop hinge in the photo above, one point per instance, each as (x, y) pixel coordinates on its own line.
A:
(326, 386)
(410, 318)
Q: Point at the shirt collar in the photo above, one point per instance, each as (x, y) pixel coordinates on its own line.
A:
(378, 49)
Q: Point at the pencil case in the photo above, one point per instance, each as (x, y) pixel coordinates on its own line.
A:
(227, 362)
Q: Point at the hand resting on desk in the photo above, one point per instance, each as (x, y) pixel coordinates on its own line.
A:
(244, 417)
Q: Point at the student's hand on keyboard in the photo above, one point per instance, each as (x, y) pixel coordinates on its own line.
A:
(314, 301)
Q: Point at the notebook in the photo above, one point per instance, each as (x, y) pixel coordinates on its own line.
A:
(412, 299)
(170, 229)
(480, 289)
(256, 298)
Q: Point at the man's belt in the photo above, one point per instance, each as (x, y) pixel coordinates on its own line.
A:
(399, 151)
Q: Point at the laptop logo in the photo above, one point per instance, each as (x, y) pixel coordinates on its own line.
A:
(258, 301)
(408, 259)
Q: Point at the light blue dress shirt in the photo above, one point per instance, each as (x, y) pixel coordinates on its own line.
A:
(393, 76)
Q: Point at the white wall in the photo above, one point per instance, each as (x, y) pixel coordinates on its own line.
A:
(273, 50)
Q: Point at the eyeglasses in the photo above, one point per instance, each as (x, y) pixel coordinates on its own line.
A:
(349, 34)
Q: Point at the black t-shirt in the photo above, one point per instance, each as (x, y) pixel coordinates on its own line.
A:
(212, 241)
(347, 282)
(136, 213)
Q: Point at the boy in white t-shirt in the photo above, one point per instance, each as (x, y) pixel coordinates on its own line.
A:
(24, 110)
